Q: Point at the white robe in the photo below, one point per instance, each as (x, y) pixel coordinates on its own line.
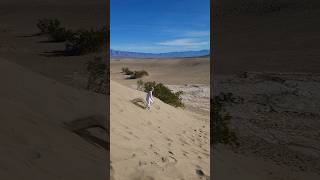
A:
(149, 99)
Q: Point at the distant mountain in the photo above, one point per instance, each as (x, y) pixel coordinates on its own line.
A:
(115, 53)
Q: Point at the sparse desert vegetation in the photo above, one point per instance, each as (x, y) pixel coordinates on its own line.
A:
(220, 132)
(77, 42)
(52, 28)
(126, 71)
(139, 74)
(97, 79)
(86, 41)
(163, 93)
(273, 116)
(134, 74)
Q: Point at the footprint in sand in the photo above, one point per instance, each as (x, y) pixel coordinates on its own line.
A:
(202, 175)
(169, 159)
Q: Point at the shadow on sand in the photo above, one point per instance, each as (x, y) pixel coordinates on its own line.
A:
(92, 128)
(56, 53)
(139, 102)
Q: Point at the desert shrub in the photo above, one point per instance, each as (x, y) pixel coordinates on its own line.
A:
(46, 25)
(127, 71)
(52, 28)
(139, 84)
(134, 74)
(61, 35)
(97, 80)
(220, 132)
(86, 41)
(138, 74)
(164, 93)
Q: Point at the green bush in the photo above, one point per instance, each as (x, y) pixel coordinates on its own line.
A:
(52, 28)
(138, 74)
(47, 25)
(164, 93)
(97, 80)
(134, 74)
(220, 132)
(127, 71)
(61, 35)
(77, 43)
(86, 41)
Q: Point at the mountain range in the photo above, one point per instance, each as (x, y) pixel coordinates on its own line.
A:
(127, 54)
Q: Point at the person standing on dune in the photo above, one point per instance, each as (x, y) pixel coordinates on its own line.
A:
(149, 98)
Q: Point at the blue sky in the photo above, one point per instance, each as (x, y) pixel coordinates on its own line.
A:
(159, 25)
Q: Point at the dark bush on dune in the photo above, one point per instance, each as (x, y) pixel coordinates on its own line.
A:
(127, 71)
(134, 74)
(86, 41)
(138, 74)
(220, 132)
(61, 35)
(97, 80)
(52, 28)
(46, 25)
(163, 93)
(77, 42)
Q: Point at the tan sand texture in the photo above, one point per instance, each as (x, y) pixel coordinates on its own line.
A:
(35, 141)
(161, 143)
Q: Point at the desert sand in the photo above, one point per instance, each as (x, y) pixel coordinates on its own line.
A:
(175, 71)
(51, 128)
(190, 75)
(36, 140)
(165, 142)
(267, 56)
(276, 120)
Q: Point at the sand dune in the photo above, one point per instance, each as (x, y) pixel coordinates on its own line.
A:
(49, 130)
(163, 143)
(190, 75)
(35, 141)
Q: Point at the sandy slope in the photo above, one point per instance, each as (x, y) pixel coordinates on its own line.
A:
(190, 75)
(35, 142)
(18, 42)
(163, 143)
